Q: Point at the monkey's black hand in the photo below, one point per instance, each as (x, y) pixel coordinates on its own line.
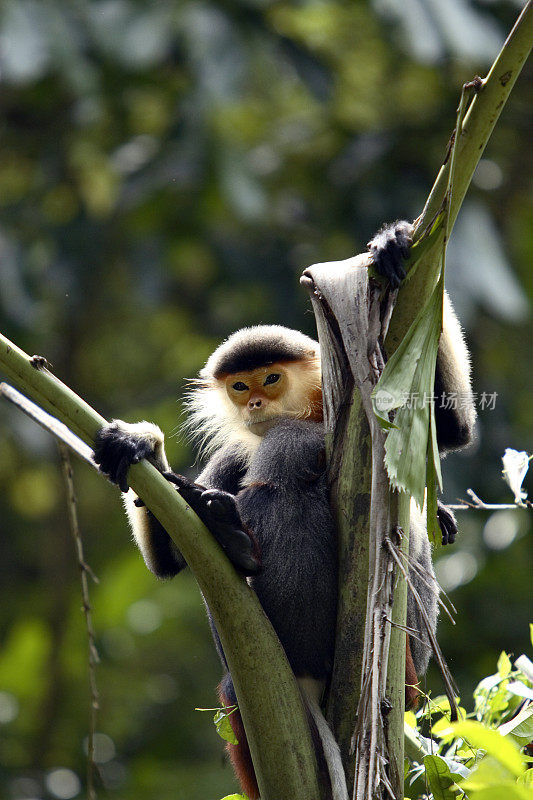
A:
(389, 247)
(118, 445)
(219, 513)
(447, 523)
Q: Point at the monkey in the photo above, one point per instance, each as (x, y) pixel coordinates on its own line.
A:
(257, 414)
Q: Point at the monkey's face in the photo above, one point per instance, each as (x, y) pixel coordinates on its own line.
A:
(259, 395)
(263, 395)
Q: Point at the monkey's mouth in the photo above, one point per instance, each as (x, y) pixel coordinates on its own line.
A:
(260, 425)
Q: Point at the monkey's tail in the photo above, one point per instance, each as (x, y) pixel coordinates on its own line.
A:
(330, 749)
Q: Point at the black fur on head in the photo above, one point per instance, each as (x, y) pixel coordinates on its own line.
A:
(259, 346)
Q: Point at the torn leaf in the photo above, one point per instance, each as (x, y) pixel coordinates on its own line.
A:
(407, 386)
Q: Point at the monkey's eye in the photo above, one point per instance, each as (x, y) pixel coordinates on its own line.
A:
(239, 386)
(272, 378)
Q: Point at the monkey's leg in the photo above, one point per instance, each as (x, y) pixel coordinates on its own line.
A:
(411, 678)
(239, 753)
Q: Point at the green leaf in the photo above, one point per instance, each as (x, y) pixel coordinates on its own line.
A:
(488, 772)
(503, 750)
(235, 797)
(458, 771)
(503, 791)
(504, 665)
(407, 384)
(414, 748)
(519, 729)
(439, 778)
(423, 246)
(223, 725)
(439, 705)
(485, 686)
(491, 697)
(526, 779)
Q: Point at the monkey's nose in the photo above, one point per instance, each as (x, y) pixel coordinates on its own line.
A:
(255, 403)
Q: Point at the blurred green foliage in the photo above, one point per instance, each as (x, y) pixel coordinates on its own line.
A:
(166, 172)
(486, 753)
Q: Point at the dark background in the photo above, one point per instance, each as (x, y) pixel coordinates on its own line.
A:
(167, 170)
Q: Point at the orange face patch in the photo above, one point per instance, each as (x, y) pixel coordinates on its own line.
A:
(257, 386)
(288, 389)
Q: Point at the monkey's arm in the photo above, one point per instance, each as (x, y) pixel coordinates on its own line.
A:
(118, 446)
(218, 511)
(454, 402)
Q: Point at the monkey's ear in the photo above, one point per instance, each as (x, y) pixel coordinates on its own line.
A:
(389, 248)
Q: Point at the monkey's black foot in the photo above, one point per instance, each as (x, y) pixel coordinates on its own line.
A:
(389, 248)
(116, 449)
(219, 513)
(447, 523)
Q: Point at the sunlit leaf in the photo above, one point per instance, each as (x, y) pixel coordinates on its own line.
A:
(235, 797)
(520, 729)
(526, 779)
(223, 725)
(500, 790)
(439, 778)
(504, 665)
(501, 749)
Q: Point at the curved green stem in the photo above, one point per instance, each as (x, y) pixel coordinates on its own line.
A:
(484, 111)
(277, 731)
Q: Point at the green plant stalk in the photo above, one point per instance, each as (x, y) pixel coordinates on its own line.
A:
(477, 127)
(482, 115)
(400, 510)
(277, 731)
(472, 134)
(352, 508)
(413, 748)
